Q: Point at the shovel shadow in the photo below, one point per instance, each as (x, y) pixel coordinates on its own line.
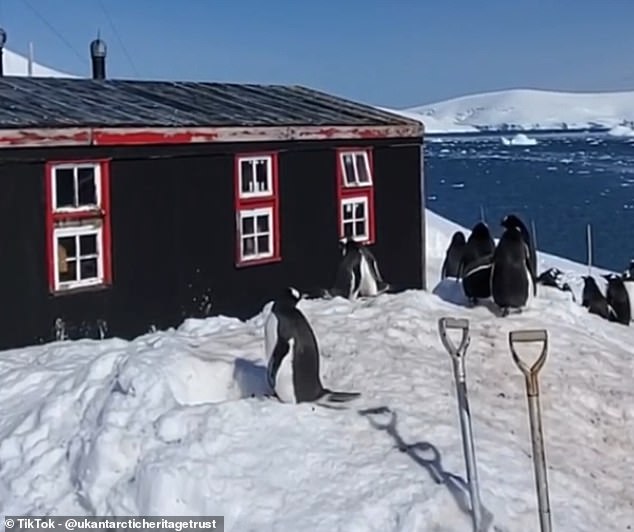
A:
(428, 456)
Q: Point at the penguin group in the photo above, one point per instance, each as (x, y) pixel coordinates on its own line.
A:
(505, 272)
(610, 296)
(291, 347)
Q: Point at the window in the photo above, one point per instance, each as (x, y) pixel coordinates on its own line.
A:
(257, 212)
(355, 191)
(78, 225)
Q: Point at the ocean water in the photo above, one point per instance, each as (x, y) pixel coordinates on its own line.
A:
(560, 185)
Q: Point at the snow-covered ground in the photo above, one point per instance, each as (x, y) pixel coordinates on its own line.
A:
(18, 65)
(527, 109)
(166, 424)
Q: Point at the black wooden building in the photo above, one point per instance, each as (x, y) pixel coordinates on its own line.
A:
(131, 204)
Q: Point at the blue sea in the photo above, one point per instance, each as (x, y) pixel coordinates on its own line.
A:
(560, 185)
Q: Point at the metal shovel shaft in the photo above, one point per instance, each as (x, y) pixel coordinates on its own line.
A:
(467, 442)
(539, 456)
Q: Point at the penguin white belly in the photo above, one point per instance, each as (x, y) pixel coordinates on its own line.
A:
(531, 287)
(629, 287)
(283, 385)
(368, 285)
(270, 341)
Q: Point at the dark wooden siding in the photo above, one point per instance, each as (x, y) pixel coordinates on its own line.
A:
(173, 231)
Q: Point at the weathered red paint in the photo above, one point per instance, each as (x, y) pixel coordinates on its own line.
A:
(178, 135)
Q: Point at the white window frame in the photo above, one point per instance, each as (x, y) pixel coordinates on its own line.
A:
(75, 167)
(355, 201)
(366, 162)
(85, 228)
(254, 213)
(269, 176)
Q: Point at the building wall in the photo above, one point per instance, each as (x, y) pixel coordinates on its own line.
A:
(173, 235)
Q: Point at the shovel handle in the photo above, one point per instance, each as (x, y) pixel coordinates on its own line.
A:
(461, 324)
(530, 336)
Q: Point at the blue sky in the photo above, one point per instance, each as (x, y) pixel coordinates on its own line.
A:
(397, 53)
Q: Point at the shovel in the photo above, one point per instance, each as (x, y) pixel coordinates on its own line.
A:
(457, 357)
(537, 434)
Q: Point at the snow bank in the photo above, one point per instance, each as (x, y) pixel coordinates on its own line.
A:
(175, 422)
(526, 109)
(18, 65)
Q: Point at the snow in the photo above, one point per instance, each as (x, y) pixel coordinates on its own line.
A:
(18, 65)
(519, 140)
(527, 109)
(621, 131)
(174, 422)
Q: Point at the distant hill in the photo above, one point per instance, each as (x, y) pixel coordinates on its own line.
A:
(528, 110)
(18, 65)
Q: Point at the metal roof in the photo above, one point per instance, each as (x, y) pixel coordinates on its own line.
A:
(27, 102)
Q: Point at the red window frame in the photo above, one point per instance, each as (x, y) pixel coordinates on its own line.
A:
(255, 202)
(55, 219)
(346, 191)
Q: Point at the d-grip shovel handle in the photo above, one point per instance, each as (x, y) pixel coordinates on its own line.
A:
(530, 337)
(444, 324)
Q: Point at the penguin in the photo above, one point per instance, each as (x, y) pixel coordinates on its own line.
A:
(293, 355)
(595, 300)
(453, 256)
(618, 299)
(628, 284)
(512, 276)
(629, 273)
(554, 278)
(512, 220)
(358, 272)
(476, 279)
(479, 244)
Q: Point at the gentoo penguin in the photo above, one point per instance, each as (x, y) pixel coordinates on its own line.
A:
(476, 277)
(512, 220)
(479, 244)
(595, 300)
(358, 272)
(512, 277)
(629, 273)
(453, 256)
(618, 298)
(293, 355)
(554, 277)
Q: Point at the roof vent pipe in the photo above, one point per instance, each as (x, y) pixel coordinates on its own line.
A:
(98, 55)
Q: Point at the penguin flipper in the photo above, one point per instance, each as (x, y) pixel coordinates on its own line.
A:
(339, 397)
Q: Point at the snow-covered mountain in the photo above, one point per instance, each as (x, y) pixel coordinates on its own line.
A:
(18, 65)
(526, 110)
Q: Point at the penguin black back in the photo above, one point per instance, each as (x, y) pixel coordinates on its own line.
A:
(595, 301)
(511, 277)
(512, 220)
(453, 256)
(479, 244)
(619, 300)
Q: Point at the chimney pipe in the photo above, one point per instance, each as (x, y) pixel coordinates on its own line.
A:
(98, 55)
(3, 40)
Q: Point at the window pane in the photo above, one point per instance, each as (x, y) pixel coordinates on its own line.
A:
(88, 244)
(347, 211)
(359, 228)
(64, 187)
(87, 193)
(248, 246)
(263, 223)
(263, 244)
(359, 210)
(68, 270)
(88, 268)
(348, 165)
(348, 229)
(262, 171)
(68, 245)
(247, 225)
(362, 169)
(247, 176)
